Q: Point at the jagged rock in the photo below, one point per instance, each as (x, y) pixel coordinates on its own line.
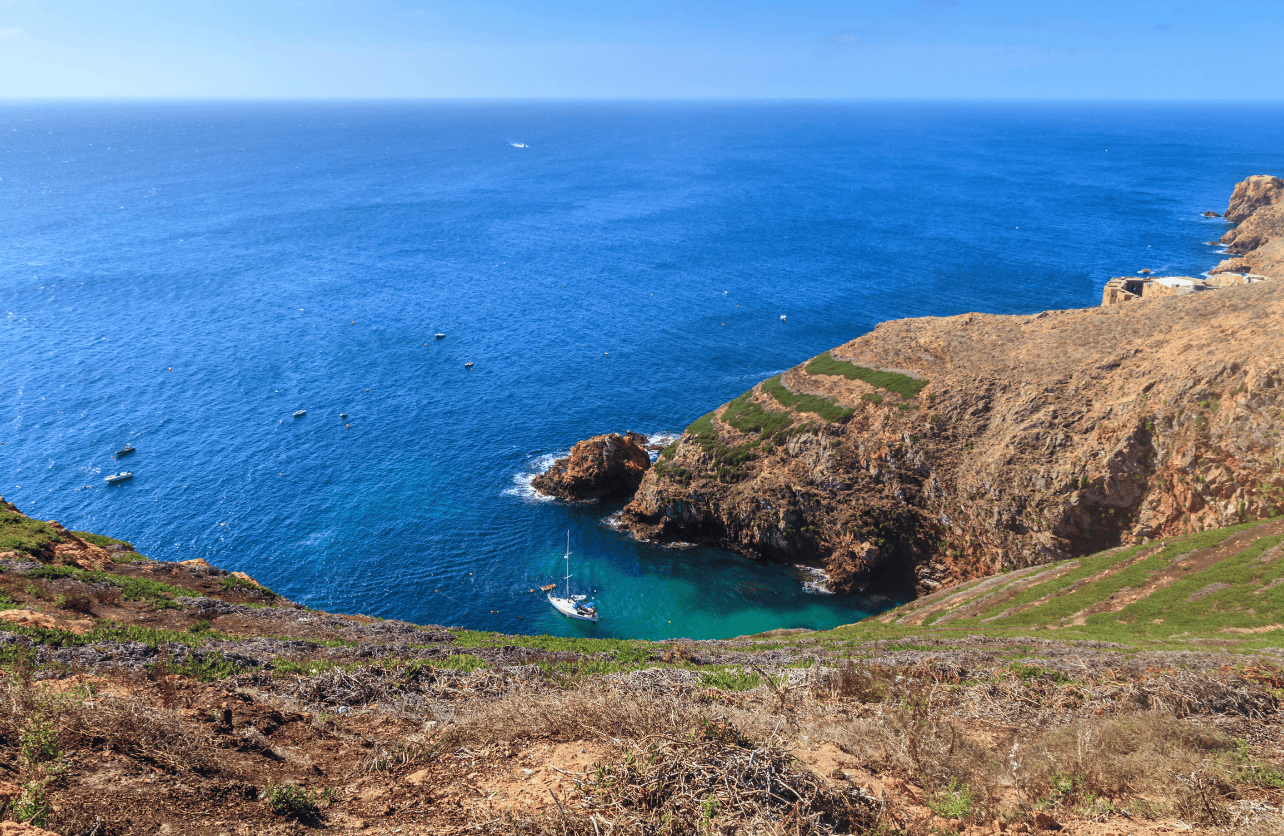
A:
(598, 468)
(1211, 214)
(1250, 195)
(1258, 209)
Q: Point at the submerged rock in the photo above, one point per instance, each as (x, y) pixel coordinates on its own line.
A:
(598, 468)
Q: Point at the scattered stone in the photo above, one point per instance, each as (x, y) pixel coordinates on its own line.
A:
(1045, 822)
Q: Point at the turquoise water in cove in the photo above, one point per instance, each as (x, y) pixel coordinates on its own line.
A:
(184, 277)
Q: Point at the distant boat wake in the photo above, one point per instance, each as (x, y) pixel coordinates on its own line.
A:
(519, 145)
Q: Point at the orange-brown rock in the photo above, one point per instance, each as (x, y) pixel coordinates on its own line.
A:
(598, 468)
(11, 828)
(62, 546)
(1037, 438)
(1257, 207)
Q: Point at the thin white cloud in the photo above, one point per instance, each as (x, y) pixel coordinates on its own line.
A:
(10, 32)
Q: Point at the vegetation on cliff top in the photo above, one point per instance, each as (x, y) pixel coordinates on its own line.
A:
(22, 534)
(900, 384)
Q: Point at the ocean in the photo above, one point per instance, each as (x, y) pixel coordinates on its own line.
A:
(184, 277)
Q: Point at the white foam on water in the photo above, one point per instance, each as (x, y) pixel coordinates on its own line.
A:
(659, 440)
(814, 580)
(522, 481)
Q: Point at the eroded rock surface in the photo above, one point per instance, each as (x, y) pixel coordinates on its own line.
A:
(1036, 438)
(1257, 207)
(601, 467)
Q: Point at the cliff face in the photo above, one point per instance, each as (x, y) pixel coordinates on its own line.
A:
(940, 449)
(1257, 242)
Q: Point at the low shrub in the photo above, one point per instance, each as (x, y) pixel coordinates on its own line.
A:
(292, 801)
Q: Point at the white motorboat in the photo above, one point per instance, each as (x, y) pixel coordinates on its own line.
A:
(300, 413)
(573, 606)
(120, 477)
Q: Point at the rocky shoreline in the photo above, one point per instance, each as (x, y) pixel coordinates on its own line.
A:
(935, 450)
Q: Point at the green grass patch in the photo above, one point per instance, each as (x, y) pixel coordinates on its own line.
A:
(824, 407)
(465, 662)
(156, 594)
(150, 636)
(209, 667)
(1229, 607)
(25, 535)
(900, 384)
(748, 416)
(1134, 576)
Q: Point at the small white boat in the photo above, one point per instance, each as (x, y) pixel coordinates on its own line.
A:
(519, 145)
(439, 336)
(573, 606)
(300, 413)
(468, 365)
(120, 477)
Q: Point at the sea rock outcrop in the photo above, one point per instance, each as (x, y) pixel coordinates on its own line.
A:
(601, 467)
(1257, 207)
(935, 450)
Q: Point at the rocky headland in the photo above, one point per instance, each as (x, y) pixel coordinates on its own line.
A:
(934, 450)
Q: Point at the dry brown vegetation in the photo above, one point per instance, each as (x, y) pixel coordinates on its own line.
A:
(878, 749)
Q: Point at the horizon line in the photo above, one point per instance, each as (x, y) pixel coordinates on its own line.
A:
(11, 100)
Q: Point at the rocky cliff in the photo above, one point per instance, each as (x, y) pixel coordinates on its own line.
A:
(938, 449)
(1257, 241)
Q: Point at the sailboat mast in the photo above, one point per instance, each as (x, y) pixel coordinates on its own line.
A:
(568, 564)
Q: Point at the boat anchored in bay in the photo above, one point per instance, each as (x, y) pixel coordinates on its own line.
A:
(120, 477)
(573, 606)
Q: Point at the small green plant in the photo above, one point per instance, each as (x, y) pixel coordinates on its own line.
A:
(38, 742)
(1028, 673)
(731, 679)
(954, 801)
(32, 806)
(292, 801)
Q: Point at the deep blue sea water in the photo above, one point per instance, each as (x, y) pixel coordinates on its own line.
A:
(185, 276)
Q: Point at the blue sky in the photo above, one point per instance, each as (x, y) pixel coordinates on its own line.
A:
(627, 49)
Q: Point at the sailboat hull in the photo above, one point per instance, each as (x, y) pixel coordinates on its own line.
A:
(572, 609)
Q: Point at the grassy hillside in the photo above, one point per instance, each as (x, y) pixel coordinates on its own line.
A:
(1222, 589)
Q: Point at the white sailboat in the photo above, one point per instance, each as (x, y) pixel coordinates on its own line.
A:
(573, 606)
